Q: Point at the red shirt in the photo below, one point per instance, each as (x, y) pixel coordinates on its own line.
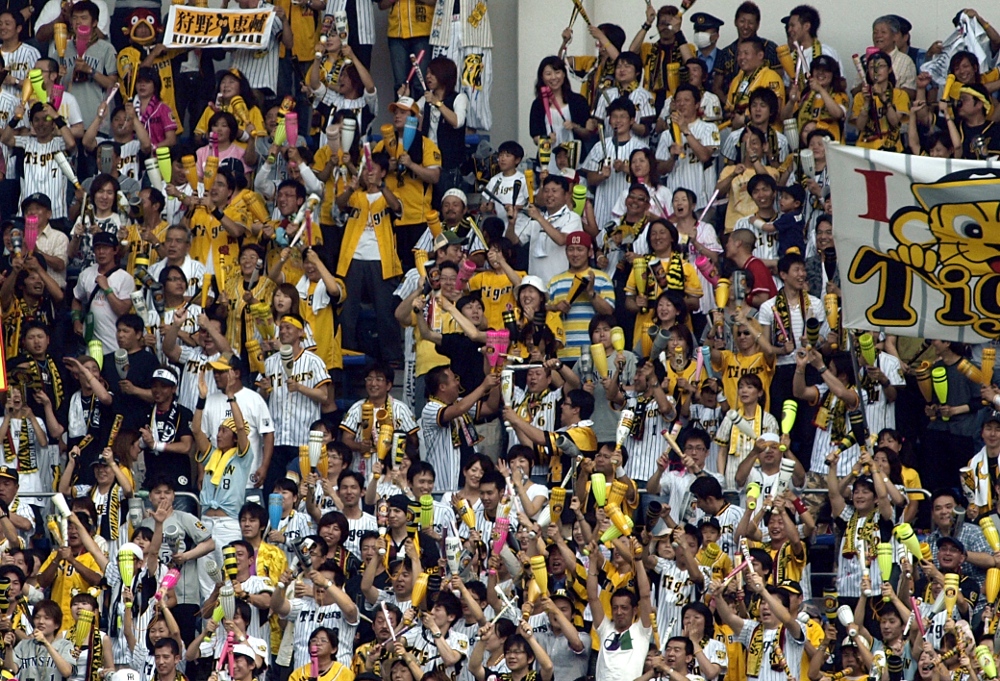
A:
(760, 279)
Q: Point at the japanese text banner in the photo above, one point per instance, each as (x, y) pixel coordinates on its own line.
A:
(918, 243)
(247, 29)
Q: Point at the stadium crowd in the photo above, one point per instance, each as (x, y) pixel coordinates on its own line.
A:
(596, 414)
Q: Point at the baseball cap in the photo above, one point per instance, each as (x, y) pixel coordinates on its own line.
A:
(39, 198)
(245, 650)
(848, 642)
(578, 239)
(791, 586)
(165, 375)
(770, 437)
(951, 540)
(533, 281)
(105, 239)
(99, 461)
(458, 194)
(226, 363)
(10, 473)
(445, 239)
(992, 415)
(796, 191)
(826, 62)
(404, 104)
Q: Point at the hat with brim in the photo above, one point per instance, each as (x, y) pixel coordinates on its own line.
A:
(533, 281)
(404, 104)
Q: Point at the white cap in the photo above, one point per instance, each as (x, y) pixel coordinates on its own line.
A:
(532, 280)
(770, 437)
(458, 194)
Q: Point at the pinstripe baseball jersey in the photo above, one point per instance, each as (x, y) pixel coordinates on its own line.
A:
(608, 191)
(689, 172)
(261, 66)
(363, 27)
(307, 615)
(18, 62)
(766, 247)
(41, 172)
(673, 590)
(7, 104)
(645, 444)
(355, 527)
(193, 361)
(485, 527)
(882, 414)
(441, 443)
(292, 412)
(474, 18)
(193, 270)
(825, 439)
(641, 97)
(540, 410)
(729, 517)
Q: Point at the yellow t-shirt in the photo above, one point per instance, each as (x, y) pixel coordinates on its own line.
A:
(304, 38)
(414, 194)
(885, 137)
(812, 108)
(643, 320)
(743, 85)
(337, 672)
(497, 295)
(326, 330)
(255, 117)
(409, 19)
(427, 354)
(911, 480)
(735, 365)
(68, 580)
(331, 189)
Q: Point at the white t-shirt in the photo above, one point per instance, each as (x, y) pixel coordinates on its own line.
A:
(105, 320)
(621, 655)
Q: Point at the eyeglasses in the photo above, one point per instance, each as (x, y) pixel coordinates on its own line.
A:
(374, 379)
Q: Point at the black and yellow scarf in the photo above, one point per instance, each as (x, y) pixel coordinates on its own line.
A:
(741, 98)
(832, 415)
(19, 314)
(868, 532)
(463, 432)
(672, 278)
(109, 520)
(58, 390)
(755, 652)
(26, 462)
(95, 652)
(657, 60)
(783, 312)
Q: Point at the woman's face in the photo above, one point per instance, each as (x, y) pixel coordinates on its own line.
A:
(694, 623)
(221, 128)
(682, 204)
(145, 89)
(229, 87)
(878, 71)
(432, 81)
(639, 166)
(747, 393)
(965, 72)
(175, 284)
(331, 535)
(104, 198)
(530, 298)
(158, 630)
(677, 344)
(624, 72)
(602, 335)
(282, 302)
(659, 238)
(554, 78)
(887, 440)
(474, 474)
(823, 77)
(754, 147)
(666, 313)
(882, 461)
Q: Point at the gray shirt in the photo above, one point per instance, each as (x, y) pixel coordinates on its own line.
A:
(606, 419)
(36, 664)
(103, 59)
(189, 532)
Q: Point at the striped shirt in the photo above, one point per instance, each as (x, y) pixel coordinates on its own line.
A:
(881, 413)
(644, 451)
(766, 247)
(540, 410)
(824, 442)
(42, 174)
(689, 172)
(673, 590)
(792, 650)
(814, 310)
(503, 187)
(612, 187)
(307, 616)
(18, 62)
(475, 33)
(729, 517)
(260, 67)
(293, 411)
(576, 321)
(641, 97)
(441, 443)
(363, 26)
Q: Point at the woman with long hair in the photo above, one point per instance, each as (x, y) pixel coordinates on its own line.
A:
(699, 240)
(470, 475)
(232, 84)
(286, 300)
(225, 145)
(442, 119)
(642, 169)
(100, 215)
(557, 113)
(880, 109)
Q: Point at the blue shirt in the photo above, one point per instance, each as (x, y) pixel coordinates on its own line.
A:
(230, 493)
(576, 322)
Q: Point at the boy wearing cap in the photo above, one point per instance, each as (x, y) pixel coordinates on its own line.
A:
(416, 169)
(579, 293)
(166, 435)
(102, 294)
(980, 136)
(788, 225)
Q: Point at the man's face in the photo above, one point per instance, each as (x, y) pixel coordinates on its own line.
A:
(42, 213)
(287, 200)
(452, 209)
(797, 30)
(747, 25)
(685, 104)
(104, 255)
(128, 337)
(376, 386)
(883, 38)
(166, 663)
(748, 58)
(423, 483)
(162, 391)
(396, 518)
(474, 312)
(675, 655)
(36, 342)
(943, 512)
(8, 490)
(448, 388)
(622, 612)
(697, 450)
(578, 256)
(949, 556)
(763, 195)
(176, 244)
(161, 493)
(537, 379)
(289, 334)
(796, 276)
(349, 491)
(554, 196)
(249, 528)
(620, 120)
(490, 496)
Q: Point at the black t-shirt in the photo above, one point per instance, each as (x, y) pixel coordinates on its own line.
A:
(98, 417)
(141, 366)
(169, 426)
(466, 359)
(990, 144)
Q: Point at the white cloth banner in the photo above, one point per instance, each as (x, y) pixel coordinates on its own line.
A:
(245, 29)
(918, 243)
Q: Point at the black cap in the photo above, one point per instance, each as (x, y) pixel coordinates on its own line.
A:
(710, 522)
(400, 501)
(951, 540)
(791, 586)
(992, 416)
(904, 25)
(705, 22)
(796, 191)
(105, 239)
(10, 473)
(826, 62)
(786, 19)
(39, 198)
(99, 461)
